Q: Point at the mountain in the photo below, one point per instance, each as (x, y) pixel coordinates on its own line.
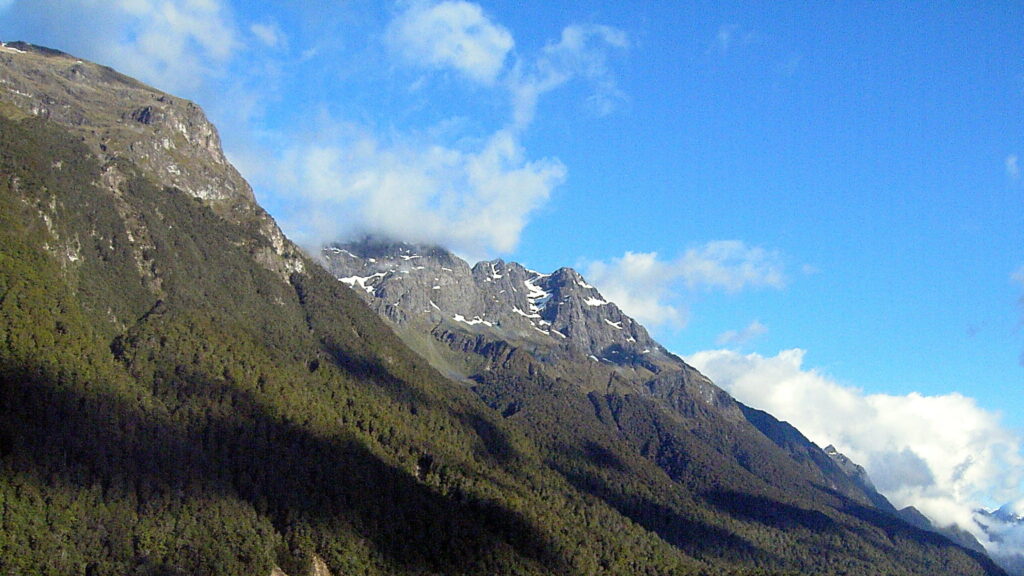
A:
(909, 514)
(183, 391)
(1004, 525)
(569, 368)
(557, 317)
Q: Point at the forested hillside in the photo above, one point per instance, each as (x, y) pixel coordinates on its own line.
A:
(183, 393)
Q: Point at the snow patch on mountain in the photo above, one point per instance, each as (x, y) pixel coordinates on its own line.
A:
(363, 281)
(537, 296)
(476, 320)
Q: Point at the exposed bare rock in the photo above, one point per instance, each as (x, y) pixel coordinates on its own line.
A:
(555, 314)
(125, 122)
(119, 117)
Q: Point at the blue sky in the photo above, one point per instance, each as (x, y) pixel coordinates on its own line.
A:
(822, 207)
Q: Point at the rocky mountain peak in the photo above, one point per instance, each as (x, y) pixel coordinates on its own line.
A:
(134, 129)
(427, 285)
(167, 137)
(849, 467)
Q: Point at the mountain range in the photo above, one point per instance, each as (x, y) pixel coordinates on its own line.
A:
(185, 391)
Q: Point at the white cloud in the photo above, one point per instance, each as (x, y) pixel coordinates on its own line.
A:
(173, 44)
(1013, 166)
(473, 201)
(269, 34)
(731, 265)
(648, 288)
(942, 454)
(454, 34)
(729, 36)
(581, 52)
(640, 284)
(469, 193)
(739, 337)
(459, 35)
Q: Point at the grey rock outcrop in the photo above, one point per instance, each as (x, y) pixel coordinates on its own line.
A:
(555, 315)
(127, 123)
(118, 116)
(849, 467)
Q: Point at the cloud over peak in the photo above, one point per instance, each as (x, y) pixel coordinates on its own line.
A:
(471, 201)
(473, 193)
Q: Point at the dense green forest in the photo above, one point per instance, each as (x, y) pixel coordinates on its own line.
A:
(170, 406)
(226, 420)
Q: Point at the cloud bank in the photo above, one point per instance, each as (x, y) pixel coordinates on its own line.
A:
(944, 455)
(420, 193)
(648, 288)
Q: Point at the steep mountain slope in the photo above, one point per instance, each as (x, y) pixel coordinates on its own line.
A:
(183, 392)
(582, 379)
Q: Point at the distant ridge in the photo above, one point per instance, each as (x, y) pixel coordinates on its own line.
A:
(512, 332)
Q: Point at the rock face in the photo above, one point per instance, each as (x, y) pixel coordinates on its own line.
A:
(555, 314)
(496, 315)
(126, 123)
(851, 468)
(119, 117)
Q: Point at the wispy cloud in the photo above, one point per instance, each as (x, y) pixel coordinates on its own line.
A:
(730, 36)
(649, 288)
(731, 265)
(1012, 166)
(452, 34)
(582, 51)
(269, 34)
(944, 454)
(739, 337)
(723, 39)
